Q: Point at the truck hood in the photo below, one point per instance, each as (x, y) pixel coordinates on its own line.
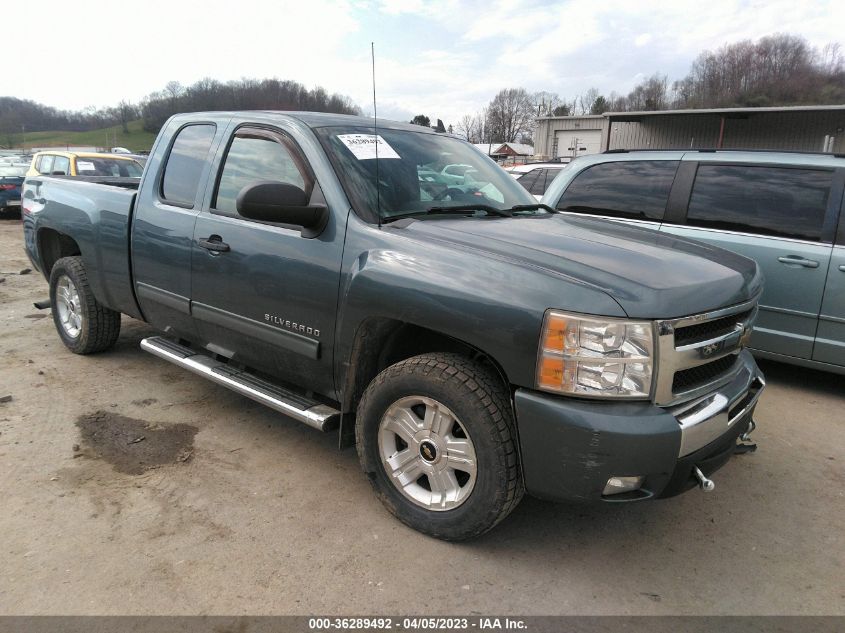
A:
(650, 274)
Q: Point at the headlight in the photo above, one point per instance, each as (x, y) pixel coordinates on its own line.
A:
(599, 357)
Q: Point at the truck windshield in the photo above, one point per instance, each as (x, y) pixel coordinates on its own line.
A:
(418, 171)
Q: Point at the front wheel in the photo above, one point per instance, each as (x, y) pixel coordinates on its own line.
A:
(83, 323)
(436, 436)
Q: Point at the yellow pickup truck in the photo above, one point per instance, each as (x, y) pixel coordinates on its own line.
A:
(57, 163)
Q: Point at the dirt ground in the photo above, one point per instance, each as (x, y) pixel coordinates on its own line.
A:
(229, 508)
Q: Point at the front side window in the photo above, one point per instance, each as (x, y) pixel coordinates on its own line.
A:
(417, 172)
(185, 163)
(255, 156)
(637, 190)
(763, 200)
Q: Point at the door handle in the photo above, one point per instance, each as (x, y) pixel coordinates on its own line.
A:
(842, 268)
(799, 261)
(214, 243)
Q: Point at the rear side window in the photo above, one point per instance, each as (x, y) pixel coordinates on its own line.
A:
(539, 186)
(45, 164)
(627, 189)
(775, 201)
(185, 164)
(528, 180)
(62, 164)
(543, 183)
(255, 156)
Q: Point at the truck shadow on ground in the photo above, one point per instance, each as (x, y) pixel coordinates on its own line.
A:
(810, 380)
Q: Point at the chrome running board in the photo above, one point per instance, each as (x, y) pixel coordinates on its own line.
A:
(312, 413)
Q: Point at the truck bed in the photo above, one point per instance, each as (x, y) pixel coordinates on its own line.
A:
(98, 212)
(115, 181)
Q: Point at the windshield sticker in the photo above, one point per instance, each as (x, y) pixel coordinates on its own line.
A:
(363, 146)
(82, 165)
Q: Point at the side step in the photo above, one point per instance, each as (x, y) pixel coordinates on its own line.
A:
(314, 414)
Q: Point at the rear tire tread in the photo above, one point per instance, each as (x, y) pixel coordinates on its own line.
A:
(100, 325)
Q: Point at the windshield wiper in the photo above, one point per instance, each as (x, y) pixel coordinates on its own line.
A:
(533, 207)
(504, 213)
(454, 210)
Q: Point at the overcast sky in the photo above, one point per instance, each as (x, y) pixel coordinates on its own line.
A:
(440, 58)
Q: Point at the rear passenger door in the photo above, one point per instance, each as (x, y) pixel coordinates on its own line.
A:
(163, 225)
(781, 217)
(830, 337)
(635, 192)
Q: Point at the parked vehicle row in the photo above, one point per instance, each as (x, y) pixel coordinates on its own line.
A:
(475, 344)
(781, 209)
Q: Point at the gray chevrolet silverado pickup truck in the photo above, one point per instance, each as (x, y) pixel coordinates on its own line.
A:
(474, 344)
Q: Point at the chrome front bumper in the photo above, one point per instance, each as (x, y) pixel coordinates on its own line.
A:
(705, 419)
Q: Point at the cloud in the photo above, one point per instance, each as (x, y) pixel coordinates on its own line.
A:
(442, 58)
(642, 39)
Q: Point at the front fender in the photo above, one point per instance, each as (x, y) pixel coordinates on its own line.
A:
(492, 304)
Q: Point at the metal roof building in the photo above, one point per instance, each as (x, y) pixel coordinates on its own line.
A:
(806, 128)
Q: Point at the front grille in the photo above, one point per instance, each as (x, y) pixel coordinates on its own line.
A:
(708, 329)
(699, 352)
(693, 377)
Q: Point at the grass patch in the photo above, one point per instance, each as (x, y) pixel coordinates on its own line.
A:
(136, 140)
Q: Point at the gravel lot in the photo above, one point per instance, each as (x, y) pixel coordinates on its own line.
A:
(248, 512)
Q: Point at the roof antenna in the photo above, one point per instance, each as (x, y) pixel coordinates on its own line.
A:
(375, 130)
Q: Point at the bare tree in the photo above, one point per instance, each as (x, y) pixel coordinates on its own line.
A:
(779, 69)
(583, 103)
(546, 102)
(511, 113)
(466, 128)
(126, 112)
(174, 90)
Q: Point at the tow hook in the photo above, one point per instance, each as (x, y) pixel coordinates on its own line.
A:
(705, 484)
(750, 447)
(747, 435)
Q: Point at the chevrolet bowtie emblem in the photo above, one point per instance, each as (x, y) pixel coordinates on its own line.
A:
(709, 350)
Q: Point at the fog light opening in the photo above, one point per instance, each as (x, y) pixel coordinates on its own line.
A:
(618, 485)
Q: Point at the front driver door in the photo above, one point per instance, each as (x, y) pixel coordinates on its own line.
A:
(266, 296)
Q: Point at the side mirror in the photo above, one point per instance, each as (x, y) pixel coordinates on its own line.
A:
(282, 203)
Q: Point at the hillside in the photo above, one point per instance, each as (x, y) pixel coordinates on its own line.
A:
(136, 140)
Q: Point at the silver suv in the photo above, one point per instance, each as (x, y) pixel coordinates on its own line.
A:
(782, 209)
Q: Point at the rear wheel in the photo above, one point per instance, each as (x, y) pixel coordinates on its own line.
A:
(83, 323)
(435, 434)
